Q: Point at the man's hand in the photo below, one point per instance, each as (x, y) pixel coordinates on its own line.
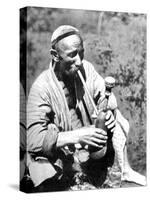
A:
(110, 121)
(92, 136)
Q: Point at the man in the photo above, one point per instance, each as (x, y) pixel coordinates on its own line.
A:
(59, 116)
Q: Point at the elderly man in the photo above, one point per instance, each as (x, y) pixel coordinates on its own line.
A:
(59, 118)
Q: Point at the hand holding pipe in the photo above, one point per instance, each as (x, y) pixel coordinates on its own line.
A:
(109, 83)
(99, 117)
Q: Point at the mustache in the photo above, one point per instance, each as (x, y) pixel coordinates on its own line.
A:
(72, 75)
(74, 68)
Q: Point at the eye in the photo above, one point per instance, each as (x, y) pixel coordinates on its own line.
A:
(72, 54)
(81, 53)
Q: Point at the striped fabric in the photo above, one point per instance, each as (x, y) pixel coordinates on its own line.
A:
(47, 97)
(48, 104)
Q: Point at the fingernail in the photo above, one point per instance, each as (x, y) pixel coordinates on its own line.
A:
(109, 126)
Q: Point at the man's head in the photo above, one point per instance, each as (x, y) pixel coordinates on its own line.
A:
(67, 50)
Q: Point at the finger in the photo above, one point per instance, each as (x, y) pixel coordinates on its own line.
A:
(111, 125)
(100, 131)
(108, 114)
(98, 141)
(88, 142)
(112, 130)
(100, 136)
(111, 119)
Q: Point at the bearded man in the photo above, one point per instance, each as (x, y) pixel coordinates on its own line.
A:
(59, 120)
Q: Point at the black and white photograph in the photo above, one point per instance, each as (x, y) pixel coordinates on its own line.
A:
(83, 78)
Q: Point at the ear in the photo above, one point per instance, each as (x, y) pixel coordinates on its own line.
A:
(55, 55)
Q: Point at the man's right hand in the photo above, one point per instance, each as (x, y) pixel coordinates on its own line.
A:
(92, 136)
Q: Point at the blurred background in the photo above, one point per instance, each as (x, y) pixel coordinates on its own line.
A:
(115, 43)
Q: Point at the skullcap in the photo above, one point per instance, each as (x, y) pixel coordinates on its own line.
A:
(62, 32)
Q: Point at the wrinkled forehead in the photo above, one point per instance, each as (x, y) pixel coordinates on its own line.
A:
(72, 41)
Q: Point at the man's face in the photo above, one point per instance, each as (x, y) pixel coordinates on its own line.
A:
(71, 52)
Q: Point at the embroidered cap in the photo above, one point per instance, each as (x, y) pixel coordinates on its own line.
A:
(62, 32)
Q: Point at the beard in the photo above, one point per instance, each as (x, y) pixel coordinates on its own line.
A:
(71, 77)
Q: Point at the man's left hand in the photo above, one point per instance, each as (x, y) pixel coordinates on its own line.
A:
(110, 121)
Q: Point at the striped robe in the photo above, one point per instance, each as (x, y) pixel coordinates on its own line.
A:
(48, 114)
(46, 95)
(47, 104)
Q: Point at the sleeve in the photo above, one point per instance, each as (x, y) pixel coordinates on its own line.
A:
(41, 137)
(99, 86)
(96, 85)
(94, 81)
(112, 102)
(49, 142)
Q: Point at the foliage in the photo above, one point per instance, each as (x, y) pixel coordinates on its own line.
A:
(116, 45)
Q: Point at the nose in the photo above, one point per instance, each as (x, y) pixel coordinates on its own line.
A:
(78, 60)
